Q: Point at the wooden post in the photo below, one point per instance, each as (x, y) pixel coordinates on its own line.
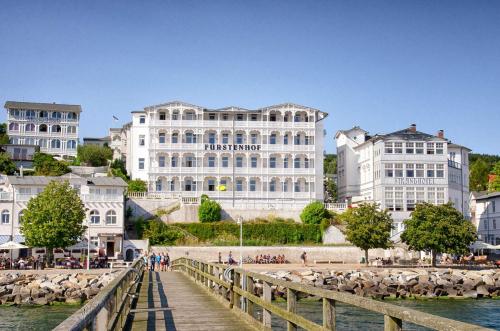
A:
(267, 296)
(237, 283)
(329, 314)
(291, 306)
(249, 289)
(231, 291)
(392, 323)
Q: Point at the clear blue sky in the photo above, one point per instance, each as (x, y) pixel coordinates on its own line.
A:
(378, 64)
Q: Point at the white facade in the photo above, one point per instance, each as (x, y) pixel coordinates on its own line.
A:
(103, 198)
(400, 169)
(485, 211)
(53, 127)
(268, 156)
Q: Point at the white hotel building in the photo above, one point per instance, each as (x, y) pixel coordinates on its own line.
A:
(51, 126)
(400, 169)
(270, 157)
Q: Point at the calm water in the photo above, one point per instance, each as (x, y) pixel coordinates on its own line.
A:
(31, 318)
(482, 312)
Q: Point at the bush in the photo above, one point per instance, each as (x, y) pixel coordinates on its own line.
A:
(137, 185)
(94, 155)
(314, 213)
(47, 165)
(209, 211)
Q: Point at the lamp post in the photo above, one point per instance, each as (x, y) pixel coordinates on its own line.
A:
(239, 220)
(88, 245)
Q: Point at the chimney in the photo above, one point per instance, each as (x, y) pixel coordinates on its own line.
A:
(440, 134)
(413, 128)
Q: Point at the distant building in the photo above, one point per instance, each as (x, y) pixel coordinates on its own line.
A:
(103, 198)
(53, 127)
(96, 141)
(485, 211)
(400, 169)
(22, 155)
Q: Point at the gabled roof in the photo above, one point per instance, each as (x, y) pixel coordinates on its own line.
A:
(354, 128)
(42, 106)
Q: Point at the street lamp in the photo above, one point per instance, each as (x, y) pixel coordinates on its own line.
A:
(239, 220)
(88, 245)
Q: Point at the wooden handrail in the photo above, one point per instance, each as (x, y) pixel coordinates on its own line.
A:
(242, 300)
(109, 309)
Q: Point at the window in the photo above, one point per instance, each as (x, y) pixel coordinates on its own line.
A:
(239, 161)
(225, 138)
(272, 139)
(296, 140)
(174, 161)
(398, 170)
(95, 218)
(189, 185)
(30, 127)
(190, 116)
(296, 162)
(142, 119)
(419, 148)
(440, 170)
(43, 114)
(172, 185)
(225, 117)
(43, 128)
(420, 170)
(190, 138)
(161, 161)
(56, 115)
(409, 148)
(410, 170)
(307, 140)
(285, 186)
(285, 139)
(494, 224)
(252, 185)
(253, 138)
(20, 217)
(211, 138)
(272, 186)
(71, 116)
(111, 216)
(175, 115)
(142, 140)
(211, 185)
(211, 161)
(42, 143)
(225, 161)
(71, 144)
(493, 206)
(56, 143)
(253, 162)
(398, 148)
(71, 129)
(5, 216)
(240, 117)
(190, 161)
(56, 128)
(223, 182)
(239, 138)
(13, 127)
(272, 117)
(161, 138)
(285, 162)
(30, 114)
(239, 185)
(163, 116)
(272, 162)
(141, 163)
(175, 138)
(439, 148)
(388, 148)
(430, 148)
(158, 185)
(430, 171)
(211, 117)
(253, 117)
(306, 163)
(297, 186)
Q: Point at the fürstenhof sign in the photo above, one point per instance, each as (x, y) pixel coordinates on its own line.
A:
(414, 181)
(227, 147)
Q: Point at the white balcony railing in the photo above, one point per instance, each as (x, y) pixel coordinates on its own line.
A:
(101, 197)
(5, 196)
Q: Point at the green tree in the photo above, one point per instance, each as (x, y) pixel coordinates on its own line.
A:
(330, 164)
(209, 211)
(368, 227)
(330, 190)
(438, 229)
(94, 155)
(4, 138)
(314, 213)
(137, 185)
(117, 169)
(478, 175)
(7, 166)
(54, 218)
(46, 165)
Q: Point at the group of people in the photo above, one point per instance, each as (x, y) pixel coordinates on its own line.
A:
(158, 262)
(265, 259)
(22, 263)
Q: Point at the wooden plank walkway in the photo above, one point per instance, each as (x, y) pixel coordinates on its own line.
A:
(171, 301)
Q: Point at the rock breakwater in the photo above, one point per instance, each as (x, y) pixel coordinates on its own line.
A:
(43, 289)
(398, 283)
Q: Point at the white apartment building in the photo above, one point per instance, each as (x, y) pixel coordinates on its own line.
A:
(103, 198)
(271, 156)
(51, 126)
(485, 212)
(400, 169)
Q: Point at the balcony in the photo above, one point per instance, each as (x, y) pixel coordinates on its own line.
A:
(5, 196)
(101, 197)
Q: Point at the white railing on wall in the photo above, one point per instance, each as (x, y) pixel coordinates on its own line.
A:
(340, 206)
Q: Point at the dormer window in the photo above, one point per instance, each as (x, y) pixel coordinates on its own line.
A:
(142, 119)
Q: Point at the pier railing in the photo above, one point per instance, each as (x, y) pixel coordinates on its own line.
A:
(235, 287)
(109, 309)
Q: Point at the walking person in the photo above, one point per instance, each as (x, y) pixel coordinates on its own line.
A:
(158, 260)
(303, 257)
(152, 260)
(162, 262)
(167, 262)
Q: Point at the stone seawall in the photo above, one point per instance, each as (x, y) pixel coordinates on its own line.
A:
(398, 283)
(43, 289)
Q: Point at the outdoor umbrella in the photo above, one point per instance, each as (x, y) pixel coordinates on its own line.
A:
(481, 245)
(84, 244)
(11, 245)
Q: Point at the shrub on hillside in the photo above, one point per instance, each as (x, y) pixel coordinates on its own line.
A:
(209, 211)
(314, 213)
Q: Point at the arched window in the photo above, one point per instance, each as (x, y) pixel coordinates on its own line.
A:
(29, 141)
(158, 185)
(30, 114)
(72, 116)
(71, 144)
(161, 137)
(94, 217)
(14, 112)
(110, 217)
(56, 128)
(43, 128)
(190, 138)
(20, 217)
(5, 216)
(30, 127)
(175, 138)
(71, 129)
(56, 115)
(42, 143)
(56, 143)
(14, 127)
(43, 114)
